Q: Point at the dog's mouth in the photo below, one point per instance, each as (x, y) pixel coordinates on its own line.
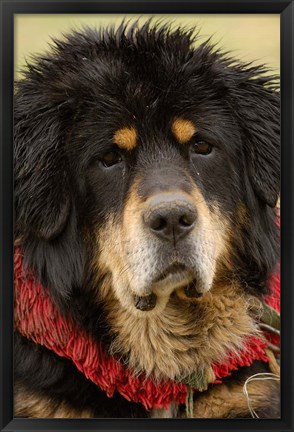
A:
(172, 272)
(173, 277)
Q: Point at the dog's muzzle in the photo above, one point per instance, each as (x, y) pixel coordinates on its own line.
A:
(170, 217)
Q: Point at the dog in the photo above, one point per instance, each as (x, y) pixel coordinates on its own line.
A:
(146, 178)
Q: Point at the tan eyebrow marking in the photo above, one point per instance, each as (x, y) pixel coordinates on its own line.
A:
(126, 138)
(183, 130)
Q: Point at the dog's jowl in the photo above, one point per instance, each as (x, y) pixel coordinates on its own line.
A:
(146, 230)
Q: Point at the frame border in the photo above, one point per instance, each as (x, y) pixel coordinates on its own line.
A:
(7, 10)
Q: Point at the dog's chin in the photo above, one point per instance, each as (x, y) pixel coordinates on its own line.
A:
(148, 298)
(164, 286)
(158, 293)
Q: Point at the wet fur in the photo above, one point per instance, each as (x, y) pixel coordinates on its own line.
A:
(70, 217)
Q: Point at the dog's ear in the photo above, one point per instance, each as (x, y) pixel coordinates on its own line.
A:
(45, 209)
(258, 110)
(41, 182)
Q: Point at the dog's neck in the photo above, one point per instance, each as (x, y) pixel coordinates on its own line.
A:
(187, 337)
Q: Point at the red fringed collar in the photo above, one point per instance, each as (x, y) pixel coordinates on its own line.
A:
(37, 318)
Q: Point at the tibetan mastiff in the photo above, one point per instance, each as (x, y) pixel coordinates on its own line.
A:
(146, 180)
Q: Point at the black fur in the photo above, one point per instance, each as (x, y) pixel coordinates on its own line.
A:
(67, 107)
(58, 379)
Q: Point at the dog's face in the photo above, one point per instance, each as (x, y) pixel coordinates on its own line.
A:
(143, 161)
(163, 196)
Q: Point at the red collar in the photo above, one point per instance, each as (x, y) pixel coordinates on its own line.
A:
(37, 318)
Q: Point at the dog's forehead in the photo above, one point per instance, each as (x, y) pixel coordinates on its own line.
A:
(138, 105)
(145, 85)
(133, 101)
(127, 92)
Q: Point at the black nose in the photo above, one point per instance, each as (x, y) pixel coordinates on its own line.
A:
(170, 216)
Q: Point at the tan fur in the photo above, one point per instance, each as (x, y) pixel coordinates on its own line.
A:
(242, 215)
(183, 130)
(126, 138)
(273, 364)
(31, 404)
(18, 241)
(185, 338)
(229, 401)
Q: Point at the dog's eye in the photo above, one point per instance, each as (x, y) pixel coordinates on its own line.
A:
(201, 147)
(111, 158)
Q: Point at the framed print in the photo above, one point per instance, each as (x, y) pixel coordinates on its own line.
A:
(146, 215)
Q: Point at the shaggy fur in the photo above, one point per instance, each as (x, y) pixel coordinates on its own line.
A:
(145, 166)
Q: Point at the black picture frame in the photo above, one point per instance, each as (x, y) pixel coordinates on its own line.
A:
(10, 7)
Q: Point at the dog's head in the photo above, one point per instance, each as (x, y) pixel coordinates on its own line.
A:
(146, 161)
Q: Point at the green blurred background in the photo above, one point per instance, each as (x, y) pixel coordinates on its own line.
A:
(249, 37)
